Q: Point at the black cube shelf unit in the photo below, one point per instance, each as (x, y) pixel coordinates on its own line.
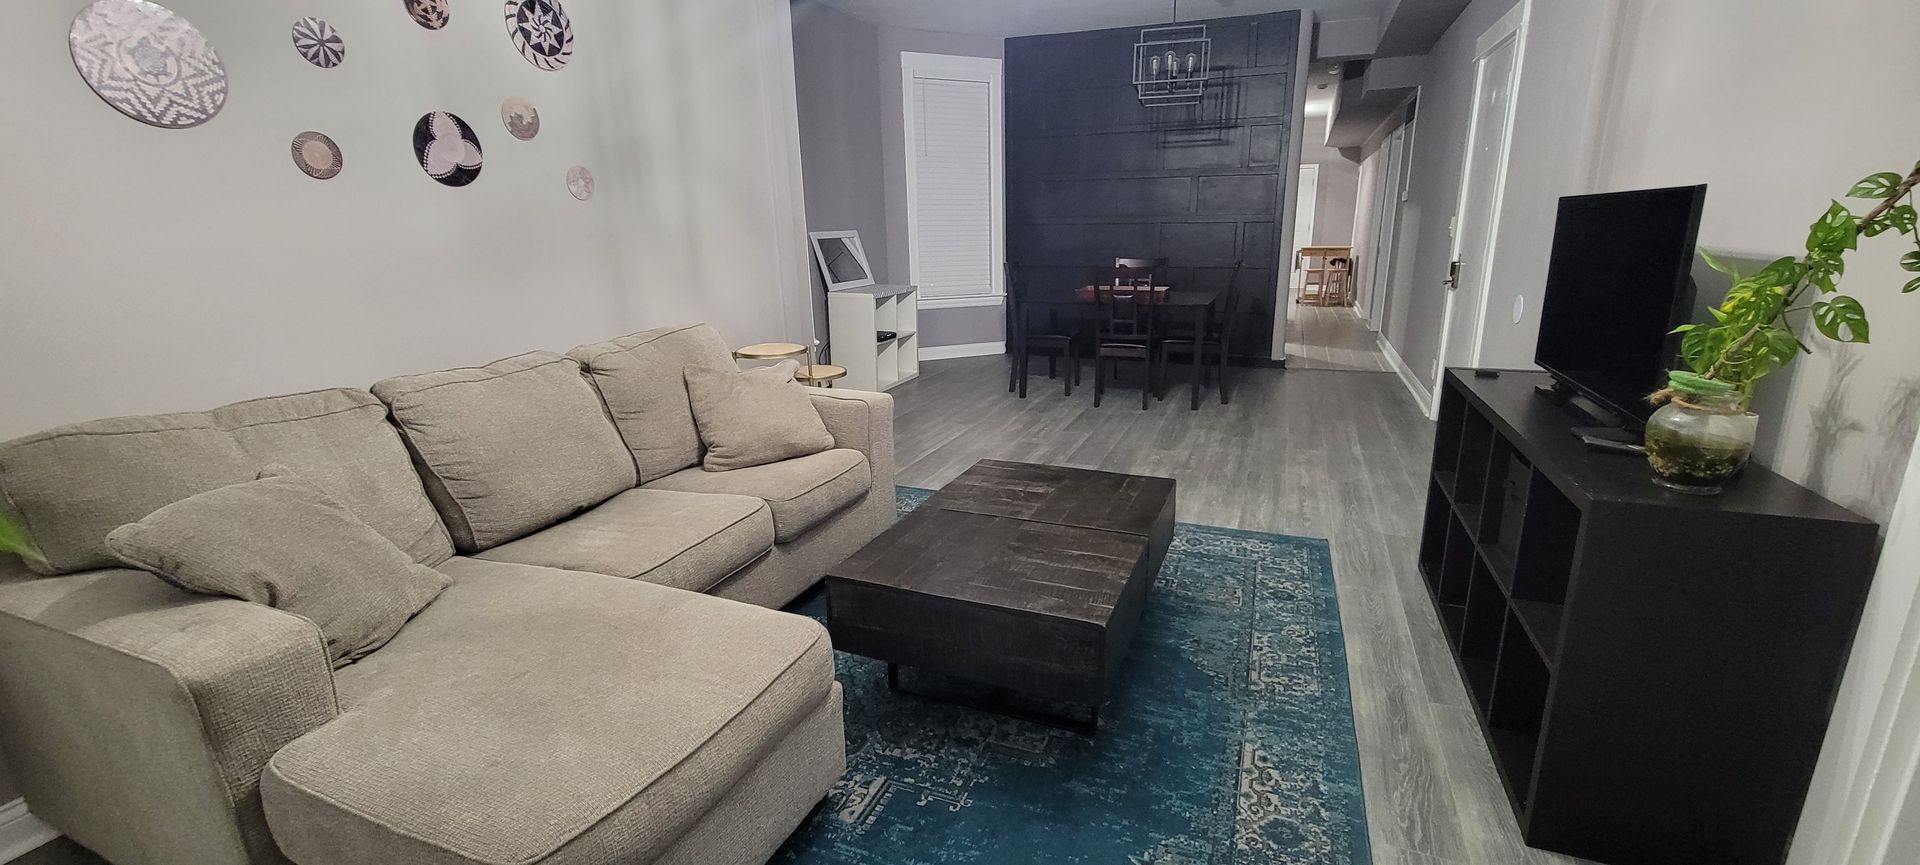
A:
(1653, 671)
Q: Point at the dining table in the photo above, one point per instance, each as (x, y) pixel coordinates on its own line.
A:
(1194, 305)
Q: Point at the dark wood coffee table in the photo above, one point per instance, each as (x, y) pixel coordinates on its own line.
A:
(1023, 577)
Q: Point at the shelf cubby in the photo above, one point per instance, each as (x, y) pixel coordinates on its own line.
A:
(1480, 632)
(1476, 446)
(1614, 637)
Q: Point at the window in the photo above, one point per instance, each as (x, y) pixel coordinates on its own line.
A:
(955, 223)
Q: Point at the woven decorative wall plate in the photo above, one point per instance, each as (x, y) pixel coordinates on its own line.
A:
(148, 63)
(541, 32)
(448, 148)
(317, 156)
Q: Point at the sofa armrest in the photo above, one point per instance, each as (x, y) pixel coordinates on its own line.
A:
(862, 421)
(138, 716)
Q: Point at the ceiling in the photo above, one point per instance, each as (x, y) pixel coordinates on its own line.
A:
(1030, 17)
(1323, 79)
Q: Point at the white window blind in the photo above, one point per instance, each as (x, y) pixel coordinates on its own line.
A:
(953, 155)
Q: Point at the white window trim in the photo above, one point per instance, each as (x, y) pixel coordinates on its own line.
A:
(994, 299)
(956, 68)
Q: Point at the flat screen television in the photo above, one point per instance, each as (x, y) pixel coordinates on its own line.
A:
(1619, 282)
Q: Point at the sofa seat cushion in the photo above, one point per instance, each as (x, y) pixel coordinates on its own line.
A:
(801, 492)
(540, 716)
(679, 539)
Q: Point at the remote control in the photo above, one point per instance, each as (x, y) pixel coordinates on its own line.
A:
(1611, 446)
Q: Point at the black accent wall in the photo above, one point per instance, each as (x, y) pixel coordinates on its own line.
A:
(1093, 175)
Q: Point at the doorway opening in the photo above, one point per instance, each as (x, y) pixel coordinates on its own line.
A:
(1327, 326)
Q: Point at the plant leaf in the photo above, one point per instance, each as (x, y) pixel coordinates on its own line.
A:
(1878, 186)
(1836, 231)
(1698, 350)
(1900, 219)
(1842, 319)
(1717, 264)
(1910, 262)
(1913, 285)
(14, 539)
(1786, 271)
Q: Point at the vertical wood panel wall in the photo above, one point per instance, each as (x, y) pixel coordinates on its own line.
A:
(1092, 174)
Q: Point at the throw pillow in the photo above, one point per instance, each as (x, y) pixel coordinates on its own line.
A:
(283, 541)
(755, 417)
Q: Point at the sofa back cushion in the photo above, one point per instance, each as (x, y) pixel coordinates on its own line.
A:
(341, 441)
(72, 485)
(642, 378)
(508, 448)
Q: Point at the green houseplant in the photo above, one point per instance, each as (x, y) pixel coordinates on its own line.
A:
(14, 540)
(1703, 432)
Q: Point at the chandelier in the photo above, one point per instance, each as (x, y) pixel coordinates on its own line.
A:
(1171, 64)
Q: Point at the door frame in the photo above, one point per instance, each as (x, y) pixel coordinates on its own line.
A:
(953, 67)
(1512, 27)
(1386, 230)
(1310, 205)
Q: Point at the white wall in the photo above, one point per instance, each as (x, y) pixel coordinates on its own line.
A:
(1557, 115)
(1338, 197)
(1425, 245)
(1693, 83)
(1688, 89)
(149, 270)
(835, 60)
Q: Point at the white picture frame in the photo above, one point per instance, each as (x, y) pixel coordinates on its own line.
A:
(842, 260)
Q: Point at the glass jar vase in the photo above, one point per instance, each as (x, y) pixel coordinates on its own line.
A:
(1702, 436)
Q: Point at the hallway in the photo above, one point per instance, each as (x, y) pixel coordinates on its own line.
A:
(1331, 337)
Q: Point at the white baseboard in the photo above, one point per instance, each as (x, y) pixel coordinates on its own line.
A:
(971, 349)
(21, 832)
(1421, 396)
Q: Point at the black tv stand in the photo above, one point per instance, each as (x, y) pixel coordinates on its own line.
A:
(1653, 671)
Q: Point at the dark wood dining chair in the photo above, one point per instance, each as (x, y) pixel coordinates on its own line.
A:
(1157, 267)
(1126, 313)
(1217, 341)
(1057, 339)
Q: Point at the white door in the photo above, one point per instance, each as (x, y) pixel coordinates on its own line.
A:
(1496, 76)
(1386, 230)
(1303, 216)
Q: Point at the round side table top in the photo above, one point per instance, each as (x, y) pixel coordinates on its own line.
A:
(770, 351)
(819, 372)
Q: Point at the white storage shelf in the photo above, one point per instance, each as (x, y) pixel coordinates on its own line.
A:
(857, 316)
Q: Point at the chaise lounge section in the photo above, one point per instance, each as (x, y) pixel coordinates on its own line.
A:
(589, 688)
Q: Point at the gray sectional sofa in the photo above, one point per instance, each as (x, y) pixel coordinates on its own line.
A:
(588, 689)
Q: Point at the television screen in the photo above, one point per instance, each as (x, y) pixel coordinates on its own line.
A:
(1619, 282)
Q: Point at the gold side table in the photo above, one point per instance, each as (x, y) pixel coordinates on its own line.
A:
(770, 351)
(819, 374)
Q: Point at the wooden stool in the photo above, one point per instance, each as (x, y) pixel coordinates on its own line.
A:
(819, 374)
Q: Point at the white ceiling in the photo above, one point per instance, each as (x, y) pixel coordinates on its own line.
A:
(1030, 17)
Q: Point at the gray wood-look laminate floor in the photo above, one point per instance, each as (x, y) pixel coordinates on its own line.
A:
(1338, 455)
(1331, 337)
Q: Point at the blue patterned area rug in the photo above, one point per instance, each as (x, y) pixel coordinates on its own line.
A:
(1230, 740)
